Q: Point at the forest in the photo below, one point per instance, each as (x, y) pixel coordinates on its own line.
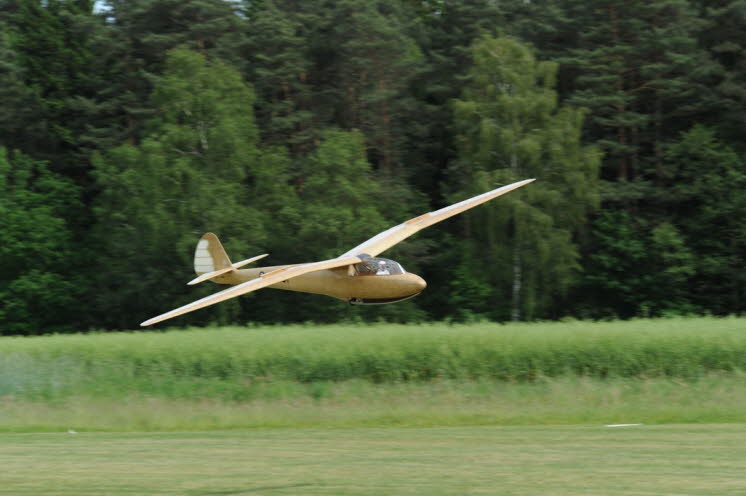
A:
(128, 128)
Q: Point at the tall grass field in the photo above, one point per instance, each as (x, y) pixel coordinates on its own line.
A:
(669, 370)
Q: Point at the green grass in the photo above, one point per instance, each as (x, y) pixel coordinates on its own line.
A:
(384, 409)
(653, 371)
(223, 362)
(553, 460)
(567, 400)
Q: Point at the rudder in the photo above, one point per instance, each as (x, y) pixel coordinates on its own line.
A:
(210, 255)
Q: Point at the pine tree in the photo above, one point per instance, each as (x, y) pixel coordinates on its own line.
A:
(53, 53)
(723, 37)
(688, 257)
(635, 267)
(447, 33)
(707, 204)
(373, 60)
(141, 33)
(280, 66)
(18, 105)
(643, 77)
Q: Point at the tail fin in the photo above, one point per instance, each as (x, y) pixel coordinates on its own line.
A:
(210, 255)
(211, 260)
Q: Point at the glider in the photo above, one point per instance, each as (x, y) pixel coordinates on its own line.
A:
(357, 276)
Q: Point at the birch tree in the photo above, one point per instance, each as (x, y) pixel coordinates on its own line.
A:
(510, 127)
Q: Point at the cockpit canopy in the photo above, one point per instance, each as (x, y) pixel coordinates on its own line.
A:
(378, 267)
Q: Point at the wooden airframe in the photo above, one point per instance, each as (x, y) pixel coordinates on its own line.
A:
(357, 276)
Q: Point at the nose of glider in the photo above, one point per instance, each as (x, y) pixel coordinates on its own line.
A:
(418, 283)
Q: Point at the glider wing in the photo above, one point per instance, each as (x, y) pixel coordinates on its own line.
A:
(394, 235)
(263, 281)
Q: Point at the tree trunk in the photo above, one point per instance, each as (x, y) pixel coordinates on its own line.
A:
(623, 172)
(515, 313)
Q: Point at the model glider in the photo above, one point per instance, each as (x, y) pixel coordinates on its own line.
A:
(357, 276)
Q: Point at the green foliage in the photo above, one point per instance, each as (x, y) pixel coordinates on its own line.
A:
(637, 270)
(375, 62)
(279, 66)
(642, 75)
(38, 287)
(140, 34)
(706, 201)
(615, 269)
(446, 33)
(726, 20)
(689, 258)
(52, 58)
(189, 176)
(369, 113)
(672, 265)
(511, 128)
(19, 113)
(340, 196)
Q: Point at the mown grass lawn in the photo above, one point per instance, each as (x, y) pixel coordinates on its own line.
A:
(703, 459)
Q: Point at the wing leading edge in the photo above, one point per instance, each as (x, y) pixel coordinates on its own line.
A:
(260, 282)
(396, 234)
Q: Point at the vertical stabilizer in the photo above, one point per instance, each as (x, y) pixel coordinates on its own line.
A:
(210, 255)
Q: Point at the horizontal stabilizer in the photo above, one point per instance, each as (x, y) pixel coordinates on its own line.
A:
(219, 272)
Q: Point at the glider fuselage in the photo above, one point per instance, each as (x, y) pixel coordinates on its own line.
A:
(345, 283)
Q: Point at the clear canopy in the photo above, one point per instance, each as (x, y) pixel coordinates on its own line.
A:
(378, 267)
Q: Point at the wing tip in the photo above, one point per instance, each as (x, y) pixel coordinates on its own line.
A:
(519, 184)
(155, 320)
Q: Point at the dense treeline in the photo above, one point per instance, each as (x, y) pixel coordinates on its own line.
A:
(130, 127)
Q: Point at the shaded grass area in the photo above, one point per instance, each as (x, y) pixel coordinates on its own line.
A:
(225, 363)
(557, 460)
(565, 400)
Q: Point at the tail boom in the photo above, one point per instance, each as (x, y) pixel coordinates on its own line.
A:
(211, 260)
(210, 275)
